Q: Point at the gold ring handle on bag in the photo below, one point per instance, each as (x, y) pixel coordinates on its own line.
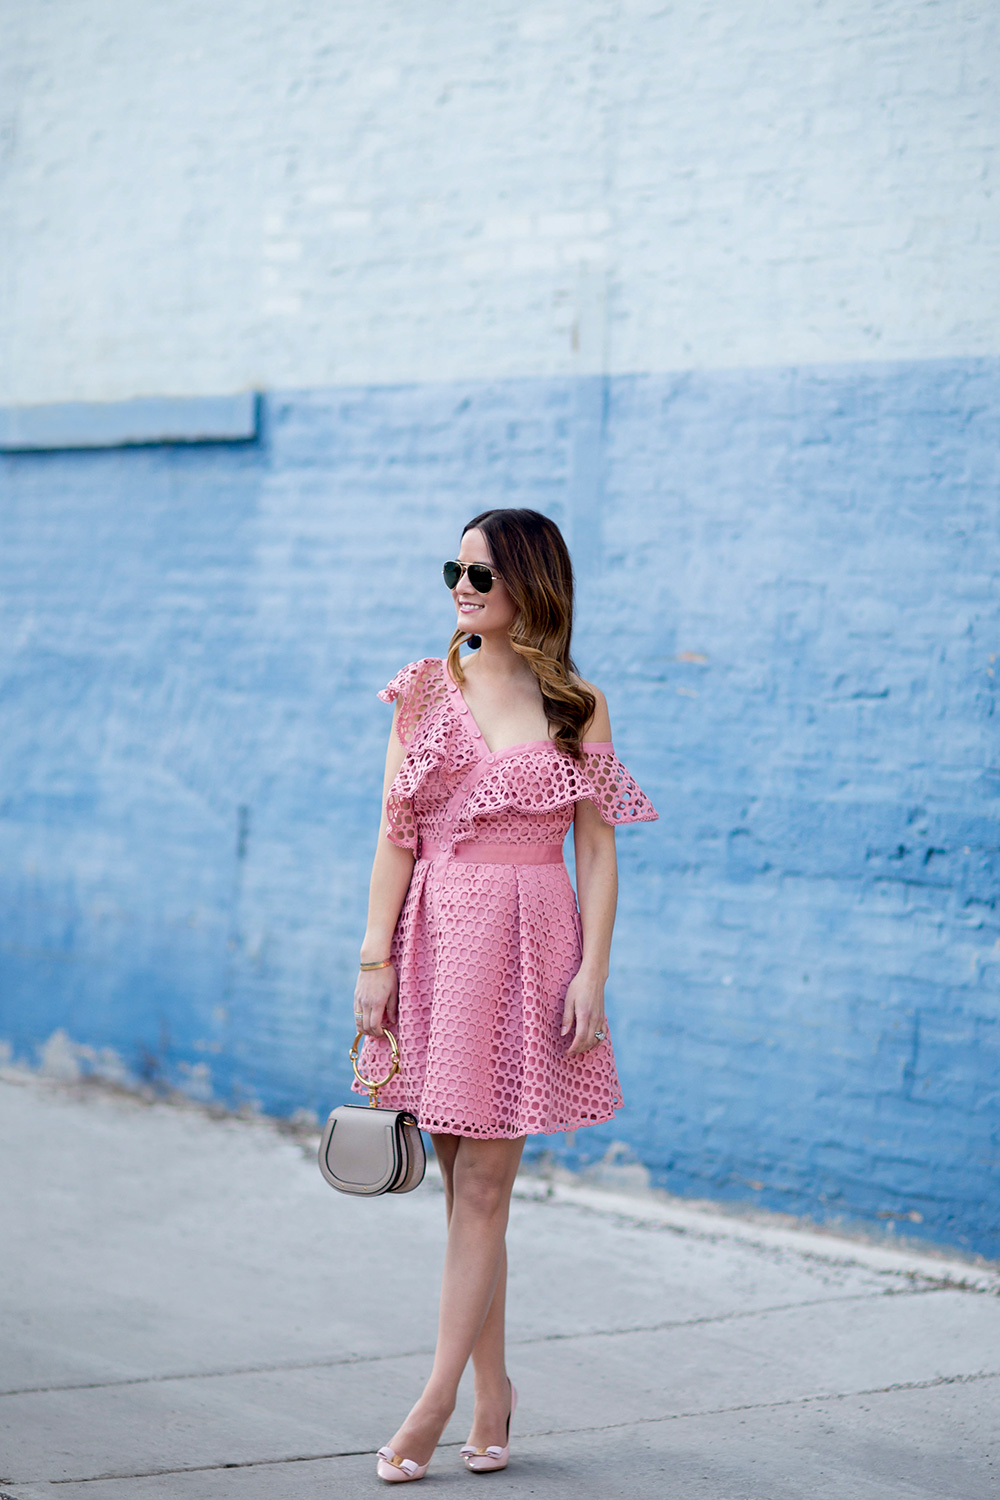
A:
(369, 1083)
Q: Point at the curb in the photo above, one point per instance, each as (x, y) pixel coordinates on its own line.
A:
(703, 1223)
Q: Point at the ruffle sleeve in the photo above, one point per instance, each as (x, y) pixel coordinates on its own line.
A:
(427, 728)
(615, 792)
(533, 782)
(418, 686)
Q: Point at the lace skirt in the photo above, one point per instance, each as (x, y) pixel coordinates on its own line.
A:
(484, 952)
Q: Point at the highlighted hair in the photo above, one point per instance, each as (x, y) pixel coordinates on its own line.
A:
(531, 557)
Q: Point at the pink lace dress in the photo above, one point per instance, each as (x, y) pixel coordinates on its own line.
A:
(489, 935)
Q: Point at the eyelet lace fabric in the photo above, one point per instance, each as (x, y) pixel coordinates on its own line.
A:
(485, 951)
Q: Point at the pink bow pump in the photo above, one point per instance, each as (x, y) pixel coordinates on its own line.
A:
(396, 1470)
(487, 1460)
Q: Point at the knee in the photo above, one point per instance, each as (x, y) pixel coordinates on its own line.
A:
(480, 1194)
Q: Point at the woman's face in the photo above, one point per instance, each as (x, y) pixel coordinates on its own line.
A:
(481, 613)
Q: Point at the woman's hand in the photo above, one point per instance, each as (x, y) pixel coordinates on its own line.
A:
(375, 1000)
(584, 1012)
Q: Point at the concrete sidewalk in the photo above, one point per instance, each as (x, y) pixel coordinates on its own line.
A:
(187, 1310)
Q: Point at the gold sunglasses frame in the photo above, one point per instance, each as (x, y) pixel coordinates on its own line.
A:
(454, 562)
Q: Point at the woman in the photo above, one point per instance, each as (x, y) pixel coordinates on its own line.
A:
(475, 954)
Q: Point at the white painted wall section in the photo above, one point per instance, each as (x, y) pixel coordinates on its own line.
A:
(198, 198)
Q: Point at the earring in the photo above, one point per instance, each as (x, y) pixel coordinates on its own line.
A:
(474, 642)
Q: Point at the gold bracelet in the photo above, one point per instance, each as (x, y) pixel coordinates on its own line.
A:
(385, 964)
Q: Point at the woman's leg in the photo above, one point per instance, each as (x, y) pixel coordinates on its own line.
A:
(492, 1388)
(481, 1177)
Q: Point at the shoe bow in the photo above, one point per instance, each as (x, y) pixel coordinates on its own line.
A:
(408, 1465)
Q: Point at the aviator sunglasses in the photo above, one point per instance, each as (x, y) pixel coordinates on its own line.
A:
(481, 577)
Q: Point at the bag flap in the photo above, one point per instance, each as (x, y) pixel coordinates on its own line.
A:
(359, 1151)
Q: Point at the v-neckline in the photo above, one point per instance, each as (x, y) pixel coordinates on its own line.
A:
(475, 733)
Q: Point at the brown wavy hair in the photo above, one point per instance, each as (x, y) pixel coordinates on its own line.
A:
(533, 560)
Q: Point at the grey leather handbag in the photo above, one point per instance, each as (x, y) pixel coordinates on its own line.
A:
(367, 1150)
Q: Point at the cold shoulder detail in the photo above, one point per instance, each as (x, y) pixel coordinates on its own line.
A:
(537, 777)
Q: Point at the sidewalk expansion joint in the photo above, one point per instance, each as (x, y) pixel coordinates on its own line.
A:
(676, 1416)
(731, 1317)
(722, 1411)
(544, 1338)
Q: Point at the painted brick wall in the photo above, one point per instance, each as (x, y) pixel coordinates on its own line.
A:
(715, 287)
(790, 597)
(199, 199)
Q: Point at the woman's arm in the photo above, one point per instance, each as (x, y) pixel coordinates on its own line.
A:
(376, 992)
(597, 895)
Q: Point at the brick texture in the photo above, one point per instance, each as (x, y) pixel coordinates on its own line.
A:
(201, 199)
(788, 592)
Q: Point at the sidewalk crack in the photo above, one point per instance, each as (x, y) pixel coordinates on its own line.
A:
(721, 1411)
(706, 1319)
(679, 1416)
(729, 1317)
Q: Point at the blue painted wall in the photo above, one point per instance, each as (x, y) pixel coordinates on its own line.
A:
(788, 590)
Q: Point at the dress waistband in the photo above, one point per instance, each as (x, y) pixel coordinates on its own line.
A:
(497, 854)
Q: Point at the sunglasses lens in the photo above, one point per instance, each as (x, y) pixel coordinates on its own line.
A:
(452, 572)
(480, 577)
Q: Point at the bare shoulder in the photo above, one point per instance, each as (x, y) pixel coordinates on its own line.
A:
(599, 724)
